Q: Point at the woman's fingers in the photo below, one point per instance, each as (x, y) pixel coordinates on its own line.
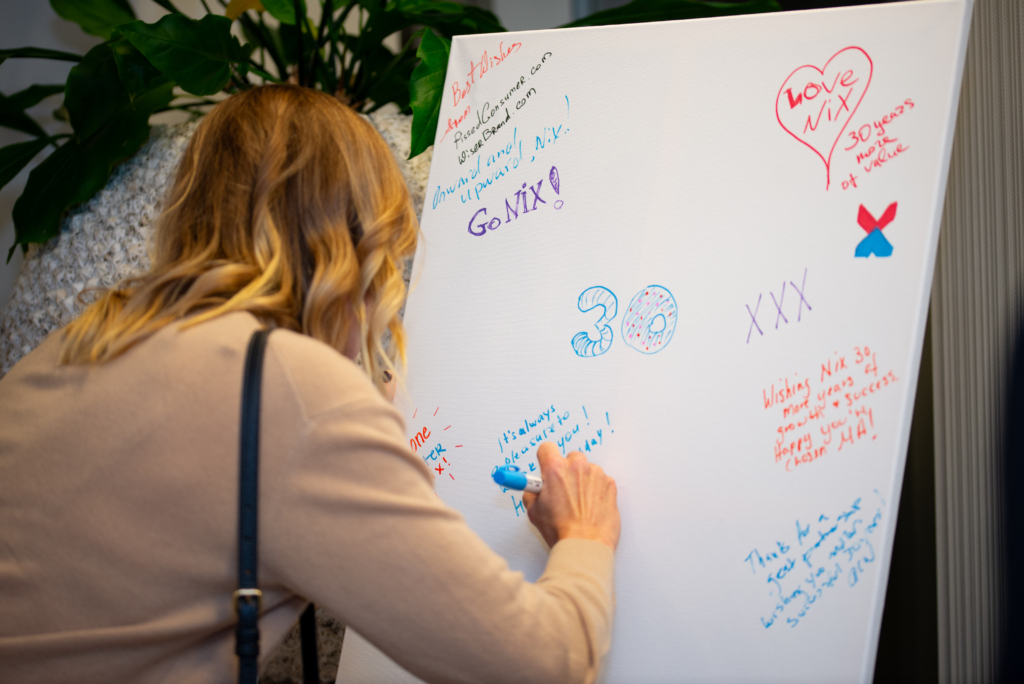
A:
(548, 456)
(578, 499)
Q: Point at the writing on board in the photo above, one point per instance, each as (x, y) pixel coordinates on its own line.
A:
(797, 299)
(434, 441)
(492, 115)
(593, 297)
(569, 428)
(874, 144)
(489, 119)
(483, 150)
(818, 557)
(498, 163)
(802, 460)
(477, 70)
(829, 411)
(647, 324)
(479, 223)
(815, 105)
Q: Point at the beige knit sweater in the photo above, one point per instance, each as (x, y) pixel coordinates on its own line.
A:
(118, 523)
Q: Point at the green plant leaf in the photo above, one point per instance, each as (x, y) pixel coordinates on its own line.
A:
(284, 10)
(284, 44)
(640, 11)
(12, 109)
(288, 39)
(78, 169)
(391, 84)
(96, 17)
(169, 6)
(38, 53)
(19, 121)
(195, 54)
(134, 70)
(260, 36)
(94, 92)
(447, 18)
(426, 87)
(33, 95)
(14, 158)
(370, 71)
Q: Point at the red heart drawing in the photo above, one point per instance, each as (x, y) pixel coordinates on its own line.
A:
(815, 105)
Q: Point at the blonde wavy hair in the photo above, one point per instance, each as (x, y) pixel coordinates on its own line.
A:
(288, 205)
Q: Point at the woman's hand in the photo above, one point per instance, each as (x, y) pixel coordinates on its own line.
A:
(578, 500)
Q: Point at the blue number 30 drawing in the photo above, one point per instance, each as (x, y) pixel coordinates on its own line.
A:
(647, 325)
(590, 299)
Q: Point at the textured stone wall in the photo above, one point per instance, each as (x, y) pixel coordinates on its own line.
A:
(101, 242)
(104, 240)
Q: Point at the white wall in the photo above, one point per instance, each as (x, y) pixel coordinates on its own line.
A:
(528, 15)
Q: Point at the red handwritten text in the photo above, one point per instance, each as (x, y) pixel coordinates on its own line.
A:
(814, 105)
(831, 412)
(419, 438)
(454, 123)
(873, 145)
(477, 70)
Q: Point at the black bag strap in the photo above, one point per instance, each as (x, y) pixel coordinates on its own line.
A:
(248, 599)
(310, 657)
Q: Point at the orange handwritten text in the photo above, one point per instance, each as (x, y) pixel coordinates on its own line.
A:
(885, 154)
(830, 413)
(873, 145)
(460, 89)
(785, 392)
(417, 441)
(454, 123)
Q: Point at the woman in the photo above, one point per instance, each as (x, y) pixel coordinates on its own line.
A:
(119, 446)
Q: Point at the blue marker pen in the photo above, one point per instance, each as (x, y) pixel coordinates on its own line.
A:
(514, 478)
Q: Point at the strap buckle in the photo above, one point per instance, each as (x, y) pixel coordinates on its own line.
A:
(246, 594)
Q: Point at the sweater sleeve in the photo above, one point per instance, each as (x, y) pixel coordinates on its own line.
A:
(356, 527)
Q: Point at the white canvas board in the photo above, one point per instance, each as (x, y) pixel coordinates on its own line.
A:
(704, 189)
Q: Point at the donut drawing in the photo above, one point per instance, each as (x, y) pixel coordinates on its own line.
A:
(650, 319)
